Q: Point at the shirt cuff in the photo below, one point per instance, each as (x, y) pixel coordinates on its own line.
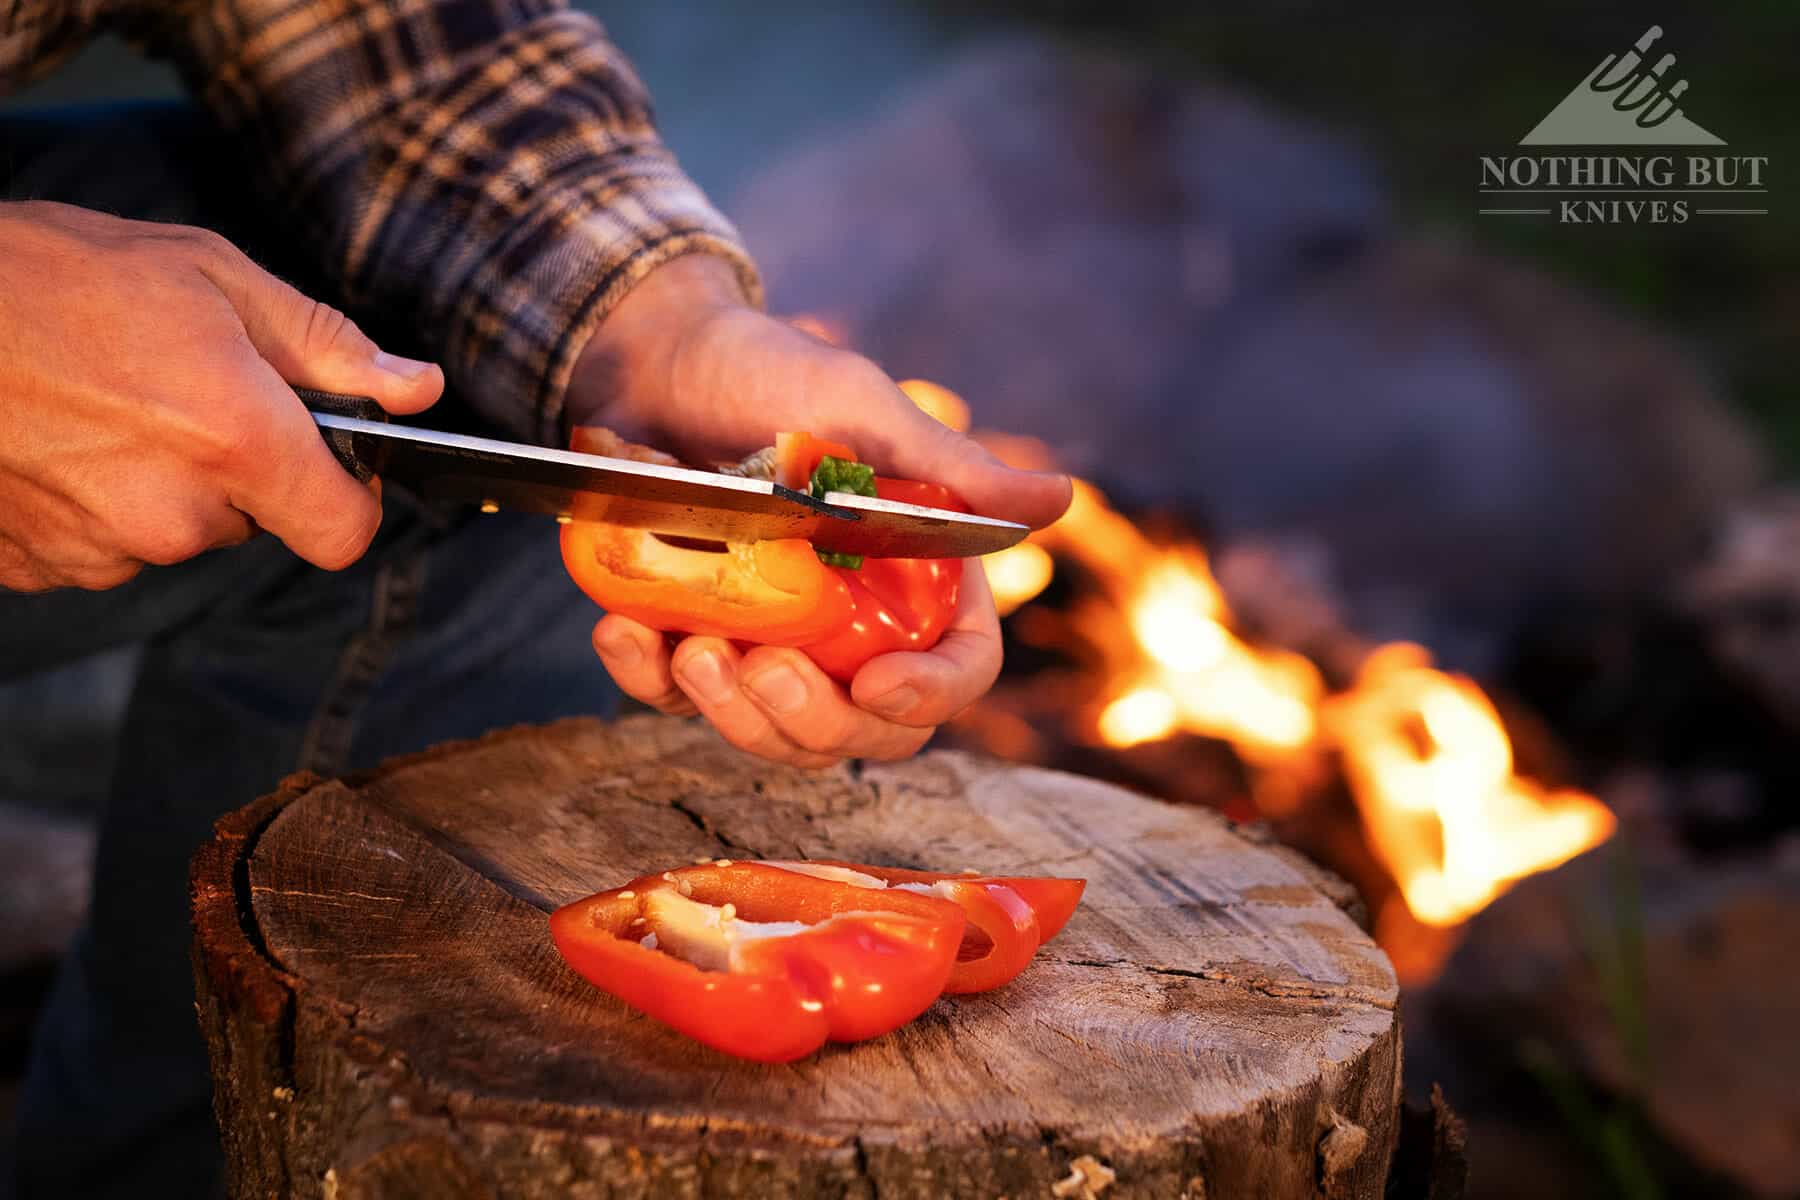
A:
(533, 307)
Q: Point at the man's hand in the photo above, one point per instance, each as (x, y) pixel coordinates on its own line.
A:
(145, 412)
(683, 364)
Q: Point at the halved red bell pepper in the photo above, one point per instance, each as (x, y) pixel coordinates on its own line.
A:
(897, 603)
(760, 962)
(1009, 916)
(775, 593)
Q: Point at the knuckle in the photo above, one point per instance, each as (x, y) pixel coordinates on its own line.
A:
(229, 421)
(909, 743)
(853, 374)
(753, 735)
(823, 733)
(94, 574)
(985, 669)
(660, 694)
(236, 438)
(750, 741)
(24, 581)
(210, 247)
(171, 541)
(346, 543)
(101, 578)
(326, 329)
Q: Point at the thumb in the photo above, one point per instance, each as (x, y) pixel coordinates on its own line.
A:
(311, 344)
(894, 435)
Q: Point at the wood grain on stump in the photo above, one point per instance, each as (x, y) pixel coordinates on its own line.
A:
(388, 1018)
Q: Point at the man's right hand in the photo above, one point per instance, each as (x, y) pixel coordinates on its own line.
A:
(145, 412)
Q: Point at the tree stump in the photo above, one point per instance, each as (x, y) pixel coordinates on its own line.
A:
(388, 1018)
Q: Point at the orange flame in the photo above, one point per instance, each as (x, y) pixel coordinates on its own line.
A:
(1185, 671)
(1017, 574)
(1432, 771)
(1425, 754)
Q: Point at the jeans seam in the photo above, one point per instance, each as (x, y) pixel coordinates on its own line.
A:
(394, 613)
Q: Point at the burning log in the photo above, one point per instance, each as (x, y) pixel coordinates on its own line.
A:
(387, 1017)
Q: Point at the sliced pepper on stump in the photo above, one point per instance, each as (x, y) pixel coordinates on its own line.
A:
(1009, 916)
(776, 593)
(770, 960)
(760, 962)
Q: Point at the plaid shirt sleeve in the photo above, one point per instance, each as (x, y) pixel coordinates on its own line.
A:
(488, 166)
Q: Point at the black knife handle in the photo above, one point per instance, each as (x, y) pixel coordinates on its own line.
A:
(360, 455)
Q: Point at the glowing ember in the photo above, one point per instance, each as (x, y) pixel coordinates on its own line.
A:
(1144, 715)
(1433, 775)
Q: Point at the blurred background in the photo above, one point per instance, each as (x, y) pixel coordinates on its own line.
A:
(1461, 549)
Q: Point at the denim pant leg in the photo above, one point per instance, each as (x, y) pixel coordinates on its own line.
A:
(441, 632)
(255, 665)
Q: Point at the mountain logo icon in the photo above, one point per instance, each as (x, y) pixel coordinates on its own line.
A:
(1624, 101)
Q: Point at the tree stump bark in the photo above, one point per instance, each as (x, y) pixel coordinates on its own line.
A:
(388, 1018)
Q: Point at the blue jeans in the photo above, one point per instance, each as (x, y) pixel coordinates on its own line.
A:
(255, 665)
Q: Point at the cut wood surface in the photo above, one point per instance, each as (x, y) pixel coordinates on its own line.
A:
(388, 1018)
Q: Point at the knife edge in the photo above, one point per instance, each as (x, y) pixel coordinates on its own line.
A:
(499, 451)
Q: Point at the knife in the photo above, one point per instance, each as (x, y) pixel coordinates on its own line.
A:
(671, 500)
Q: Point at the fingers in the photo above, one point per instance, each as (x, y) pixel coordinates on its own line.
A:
(279, 471)
(774, 702)
(742, 377)
(847, 398)
(276, 467)
(710, 671)
(927, 688)
(638, 660)
(890, 431)
(314, 345)
(809, 709)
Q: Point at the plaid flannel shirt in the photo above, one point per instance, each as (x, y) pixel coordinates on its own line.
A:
(488, 166)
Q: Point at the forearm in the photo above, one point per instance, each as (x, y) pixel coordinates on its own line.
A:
(490, 170)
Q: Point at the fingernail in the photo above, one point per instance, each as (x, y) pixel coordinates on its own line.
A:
(622, 650)
(405, 368)
(705, 673)
(781, 688)
(896, 703)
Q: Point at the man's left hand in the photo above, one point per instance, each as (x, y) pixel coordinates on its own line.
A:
(683, 363)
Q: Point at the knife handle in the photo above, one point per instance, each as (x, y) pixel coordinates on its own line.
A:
(359, 455)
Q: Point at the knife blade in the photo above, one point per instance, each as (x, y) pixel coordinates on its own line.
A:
(497, 474)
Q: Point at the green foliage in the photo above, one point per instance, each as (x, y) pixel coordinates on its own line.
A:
(1612, 1130)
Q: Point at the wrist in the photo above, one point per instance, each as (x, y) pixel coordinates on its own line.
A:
(622, 377)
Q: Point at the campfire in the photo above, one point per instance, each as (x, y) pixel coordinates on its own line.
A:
(1424, 754)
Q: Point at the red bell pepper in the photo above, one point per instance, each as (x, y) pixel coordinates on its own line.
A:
(896, 603)
(1009, 916)
(760, 962)
(774, 593)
